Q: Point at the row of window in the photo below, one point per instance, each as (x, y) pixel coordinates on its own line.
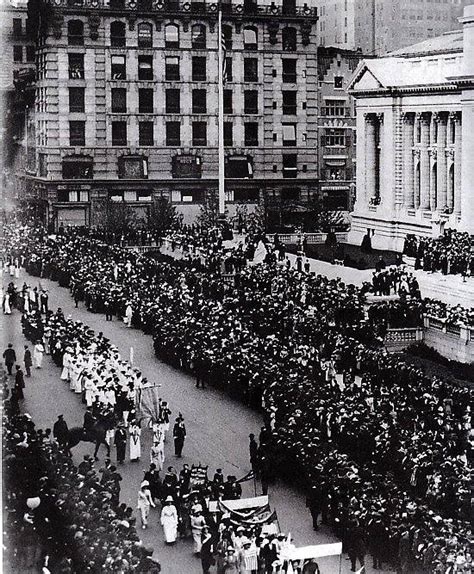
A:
(118, 38)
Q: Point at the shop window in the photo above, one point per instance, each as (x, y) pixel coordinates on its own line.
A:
(119, 133)
(77, 100)
(117, 34)
(198, 37)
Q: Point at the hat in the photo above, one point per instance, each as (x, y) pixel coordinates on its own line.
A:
(144, 483)
(168, 498)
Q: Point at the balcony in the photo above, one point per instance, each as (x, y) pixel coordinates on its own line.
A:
(180, 7)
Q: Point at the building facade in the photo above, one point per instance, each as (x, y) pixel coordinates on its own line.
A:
(415, 133)
(126, 105)
(380, 26)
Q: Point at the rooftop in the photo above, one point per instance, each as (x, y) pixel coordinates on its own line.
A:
(446, 43)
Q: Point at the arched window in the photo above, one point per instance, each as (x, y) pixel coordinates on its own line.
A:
(75, 33)
(289, 38)
(145, 35)
(198, 36)
(250, 38)
(117, 34)
(171, 36)
(227, 33)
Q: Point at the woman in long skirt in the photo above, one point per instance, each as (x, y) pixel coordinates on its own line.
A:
(38, 353)
(169, 521)
(144, 502)
(135, 442)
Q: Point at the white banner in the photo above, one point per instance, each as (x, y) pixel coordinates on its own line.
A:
(318, 551)
(240, 504)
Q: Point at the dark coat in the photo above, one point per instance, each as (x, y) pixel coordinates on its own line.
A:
(27, 358)
(10, 356)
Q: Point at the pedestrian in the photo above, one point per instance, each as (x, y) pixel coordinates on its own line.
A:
(179, 434)
(144, 502)
(44, 302)
(108, 310)
(121, 443)
(169, 520)
(27, 360)
(38, 353)
(207, 550)
(355, 544)
(128, 315)
(197, 524)
(19, 383)
(231, 562)
(135, 442)
(61, 432)
(9, 357)
(253, 452)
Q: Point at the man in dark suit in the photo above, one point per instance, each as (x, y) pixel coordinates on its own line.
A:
(179, 434)
(19, 383)
(28, 361)
(9, 356)
(121, 443)
(61, 432)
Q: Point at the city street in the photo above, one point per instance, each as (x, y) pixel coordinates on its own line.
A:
(217, 431)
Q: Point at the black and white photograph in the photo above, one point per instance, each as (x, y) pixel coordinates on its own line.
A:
(237, 286)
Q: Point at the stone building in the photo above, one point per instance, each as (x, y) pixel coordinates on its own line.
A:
(415, 133)
(126, 105)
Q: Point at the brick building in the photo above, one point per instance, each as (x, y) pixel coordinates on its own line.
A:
(126, 105)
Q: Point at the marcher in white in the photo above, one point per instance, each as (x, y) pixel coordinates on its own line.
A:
(169, 521)
(128, 315)
(6, 304)
(38, 353)
(197, 524)
(144, 502)
(66, 364)
(135, 442)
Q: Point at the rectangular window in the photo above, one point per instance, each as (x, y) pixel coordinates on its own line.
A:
(199, 134)
(145, 101)
(334, 137)
(228, 134)
(76, 66)
(250, 102)
(79, 167)
(228, 102)
(173, 101)
(76, 100)
(117, 68)
(17, 27)
(289, 135)
(145, 36)
(119, 133)
(228, 69)
(30, 53)
(290, 169)
(172, 68)
(199, 69)
(77, 133)
(289, 71)
(132, 167)
(18, 53)
(289, 102)
(251, 134)
(250, 70)
(173, 133)
(334, 108)
(145, 133)
(199, 101)
(145, 67)
(119, 100)
(338, 82)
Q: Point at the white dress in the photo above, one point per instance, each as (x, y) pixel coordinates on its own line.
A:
(6, 305)
(66, 365)
(135, 442)
(38, 355)
(169, 521)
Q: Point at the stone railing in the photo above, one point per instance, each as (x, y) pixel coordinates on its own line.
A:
(312, 238)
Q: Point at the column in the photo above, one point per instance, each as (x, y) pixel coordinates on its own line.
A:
(408, 163)
(450, 181)
(457, 163)
(442, 193)
(433, 157)
(369, 156)
(425, 162)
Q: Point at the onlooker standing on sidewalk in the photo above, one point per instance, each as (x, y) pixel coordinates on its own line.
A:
(9, 356)
(19, 383)
(28, 361)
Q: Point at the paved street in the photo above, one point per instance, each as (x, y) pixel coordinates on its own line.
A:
(217, 428)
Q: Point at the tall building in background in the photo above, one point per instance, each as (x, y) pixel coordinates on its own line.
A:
(126, 105)
(380, 26)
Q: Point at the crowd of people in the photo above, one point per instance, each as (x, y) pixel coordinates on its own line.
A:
(60, 518)
(451, 253)
(381, 446)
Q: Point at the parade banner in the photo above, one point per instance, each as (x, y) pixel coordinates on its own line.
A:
(198, 475)
(240, 504)
(318, 551)
(256, 517)
(148, 402)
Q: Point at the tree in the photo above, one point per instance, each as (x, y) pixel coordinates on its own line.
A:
(209, 215)
(162, 216)
(318, 218)
(117, 217)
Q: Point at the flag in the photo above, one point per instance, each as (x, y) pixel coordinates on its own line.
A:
(148, 401)
(249, 476)
(223, 49)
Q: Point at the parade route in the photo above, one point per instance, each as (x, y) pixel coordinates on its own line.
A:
(217, 431)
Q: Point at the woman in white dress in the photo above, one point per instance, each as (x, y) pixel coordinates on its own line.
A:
(128, 315)
(197, 524)
(38, 353)
(6, 304)
(144, 502)
(157, 454)
(169, 521)
(135, 442)
(66, 364)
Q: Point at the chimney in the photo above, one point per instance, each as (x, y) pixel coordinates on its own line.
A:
(468, 40)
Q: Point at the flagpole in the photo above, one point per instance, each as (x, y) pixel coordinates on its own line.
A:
(221, 115)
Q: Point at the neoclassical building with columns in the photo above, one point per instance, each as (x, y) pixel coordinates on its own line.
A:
(415, 139)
